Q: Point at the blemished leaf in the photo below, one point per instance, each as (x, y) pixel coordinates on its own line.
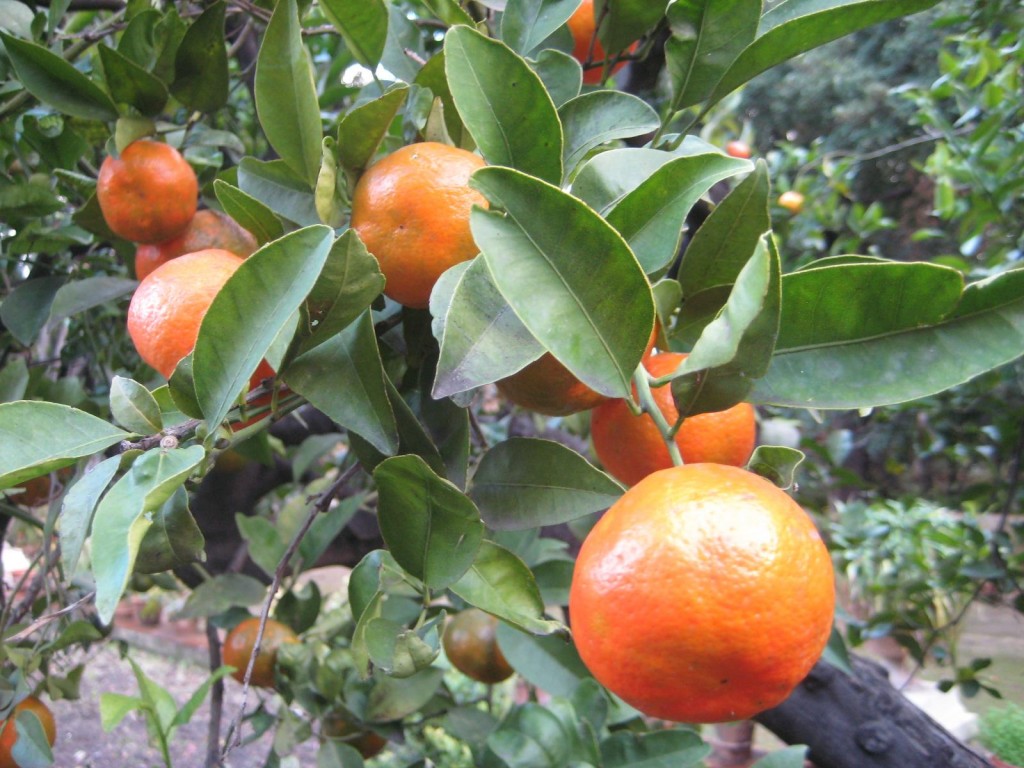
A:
(201, 63)
(120, 522)
(678, 748)
(363, 24)
(549, 662)
(906, 350)
(787, 757)
(277, 187)
(363, 128)
(355, 394)
(134, 407)
(54, 81)
(286, 99)
(525, 24)
(249, 212)
(598, 117)
(503, 104)
(392, 698)
(794, 27)
(776, 463)
(78, 507)
(561, 74)
(26, 309)
(79, 295)
(482, 340)
(222, 592)
(131, 84)
(38, 437)
(432, 529)
(173, 539)
(568, 275)
(500, 583)
(707, 36)
(256, 303)
(525, 483)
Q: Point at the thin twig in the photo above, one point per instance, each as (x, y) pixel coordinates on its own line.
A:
(216, 700)
(42, 621)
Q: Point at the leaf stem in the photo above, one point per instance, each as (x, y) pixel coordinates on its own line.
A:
(642, 382)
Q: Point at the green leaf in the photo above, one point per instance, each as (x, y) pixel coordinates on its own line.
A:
(677, 748)
(28, 201)
(916, 356)
(255, 305)
(77, 510)
(195, 701)
(38, 437)
(431, 528)
(115, 707)
(31, 748)
(482, 340)
(403, 38)
(121, 521)
(54, 81)
(172, 540)
(17, 18)
(392, 698)
(707, 37)
(397, 651)
(568, 275)
(503, 104)
(447, 424)
(26, 309)
(131, 84)
(531, 735)
(526, 24)
(599, 117)
(796, 26)
(561, 74)
(363, 24)
(249, 212)
(222, 592)
(14, 379)
(526, 483)
(134, 407)
(500, 583)
(331, 189)
(286, 99)
(433, 76)
(548, 662)
(201, 63)
(139, 40)
(787, 757)
(364, 127)
(355, 393)
(79, 295)
(276, 186)
(628, 20)
(776, 463)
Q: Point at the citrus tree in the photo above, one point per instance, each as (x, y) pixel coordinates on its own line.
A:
(353, 237)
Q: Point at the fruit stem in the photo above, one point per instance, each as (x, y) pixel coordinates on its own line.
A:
(642, 382)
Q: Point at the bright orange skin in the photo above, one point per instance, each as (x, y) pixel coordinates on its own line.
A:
(149, 194)
(631, 447)
(582, 25)
(792, 201)
(738, 149)
(705, 594)
(238, 647)
(208, 229)
(471, 645)
(8, 731)
(367, 743)
(411, 210)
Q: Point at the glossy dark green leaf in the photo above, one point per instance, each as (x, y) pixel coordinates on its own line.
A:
(286, 99)
(172, 540)
(776, 463)
(120, 522)
(482, 340)
(532, 735)
(227, 590)
(447, 424)
(80, 295)
(54, 81)
(842, 368)
(28, 200)
(707, 37)
(500, 583)
(77, 510)
(412, 437)
(677, 748)
(392, 699)
(363, 24)
(599, 117)
(139, 40)
(273, 184)
(37, 437)
(131, 84)
(134, 407)
(363, 128)
(628, 20)
(503, 104)
(561, 74)
(249, 212)
(378, 573)
(794, 27)
(568, 275)
(256, 303)
(527, 483)
(354, 393)
(432, 529)
(201, 63)
(26, 309)
(651, 216)
(526, 24)
(722, 245)
(548, 662)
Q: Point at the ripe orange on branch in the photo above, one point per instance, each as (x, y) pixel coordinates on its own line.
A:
(207, 229)
(704, 594)
(411, 210)
(149, 194)
(241, 640)
(583, 26)
(631, 447)
(9, 734)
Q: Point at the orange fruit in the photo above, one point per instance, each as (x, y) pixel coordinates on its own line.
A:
(582, 25)
(738, 149)
(239, 643)
(367, 743)
(208, 229)
(9, 734)
(149, 194)
(704, 594)
(792, 201)
(411, 210)
(631, 447)
(471, 645)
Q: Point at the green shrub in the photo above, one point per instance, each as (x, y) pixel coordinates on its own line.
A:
(1002, 731)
